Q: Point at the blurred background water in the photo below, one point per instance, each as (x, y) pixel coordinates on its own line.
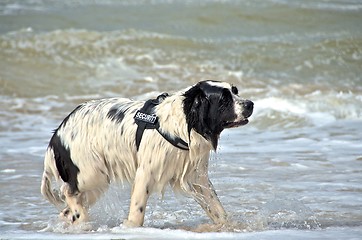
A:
(295, 171)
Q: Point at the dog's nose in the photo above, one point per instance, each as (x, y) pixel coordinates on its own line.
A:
(248, 108)
(248, 105)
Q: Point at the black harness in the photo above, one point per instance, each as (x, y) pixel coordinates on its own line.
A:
(145, 118)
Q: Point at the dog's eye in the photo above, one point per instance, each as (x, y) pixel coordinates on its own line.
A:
(234, 90)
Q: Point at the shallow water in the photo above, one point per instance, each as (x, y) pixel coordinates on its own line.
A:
(294, 172)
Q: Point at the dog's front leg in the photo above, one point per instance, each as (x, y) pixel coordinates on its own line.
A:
(205, 195)
(139, 197)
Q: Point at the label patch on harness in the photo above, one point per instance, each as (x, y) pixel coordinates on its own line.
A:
(145, 117)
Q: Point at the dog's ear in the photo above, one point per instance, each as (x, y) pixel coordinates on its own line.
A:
(200, 114)
(194, 107)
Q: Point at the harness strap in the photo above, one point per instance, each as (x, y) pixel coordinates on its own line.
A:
(176, 141)
(146, 119)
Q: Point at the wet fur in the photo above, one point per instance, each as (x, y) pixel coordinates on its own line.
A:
(95, 145)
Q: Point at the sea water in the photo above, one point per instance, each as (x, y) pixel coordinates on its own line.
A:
(294, 172)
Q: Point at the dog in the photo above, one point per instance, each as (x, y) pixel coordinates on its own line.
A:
(149, 144)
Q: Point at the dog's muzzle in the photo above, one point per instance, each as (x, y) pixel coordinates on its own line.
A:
(248, 107)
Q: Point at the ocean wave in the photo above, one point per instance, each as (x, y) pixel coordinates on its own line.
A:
(84, 64)
(316, 109)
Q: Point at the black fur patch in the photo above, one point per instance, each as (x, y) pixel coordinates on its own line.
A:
(117, 112)
(68, 171)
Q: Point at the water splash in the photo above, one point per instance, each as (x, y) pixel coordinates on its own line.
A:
(288, 213)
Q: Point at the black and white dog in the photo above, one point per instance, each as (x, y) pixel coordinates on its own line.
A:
(147, 144)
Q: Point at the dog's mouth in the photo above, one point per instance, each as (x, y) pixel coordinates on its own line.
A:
(236, 124)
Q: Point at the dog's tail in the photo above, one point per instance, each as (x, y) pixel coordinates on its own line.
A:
(50, 171)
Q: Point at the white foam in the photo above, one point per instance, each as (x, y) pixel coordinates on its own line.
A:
(8, 170)
(317, 108)
(280, 105)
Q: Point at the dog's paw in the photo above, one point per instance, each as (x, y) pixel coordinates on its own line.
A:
(73, 217)
(130, 224)
(76, 217)
(66, 215)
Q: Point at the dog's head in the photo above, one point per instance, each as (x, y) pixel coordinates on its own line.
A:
(212, 106)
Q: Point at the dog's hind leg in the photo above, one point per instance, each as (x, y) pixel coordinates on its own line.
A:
(77, 209)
